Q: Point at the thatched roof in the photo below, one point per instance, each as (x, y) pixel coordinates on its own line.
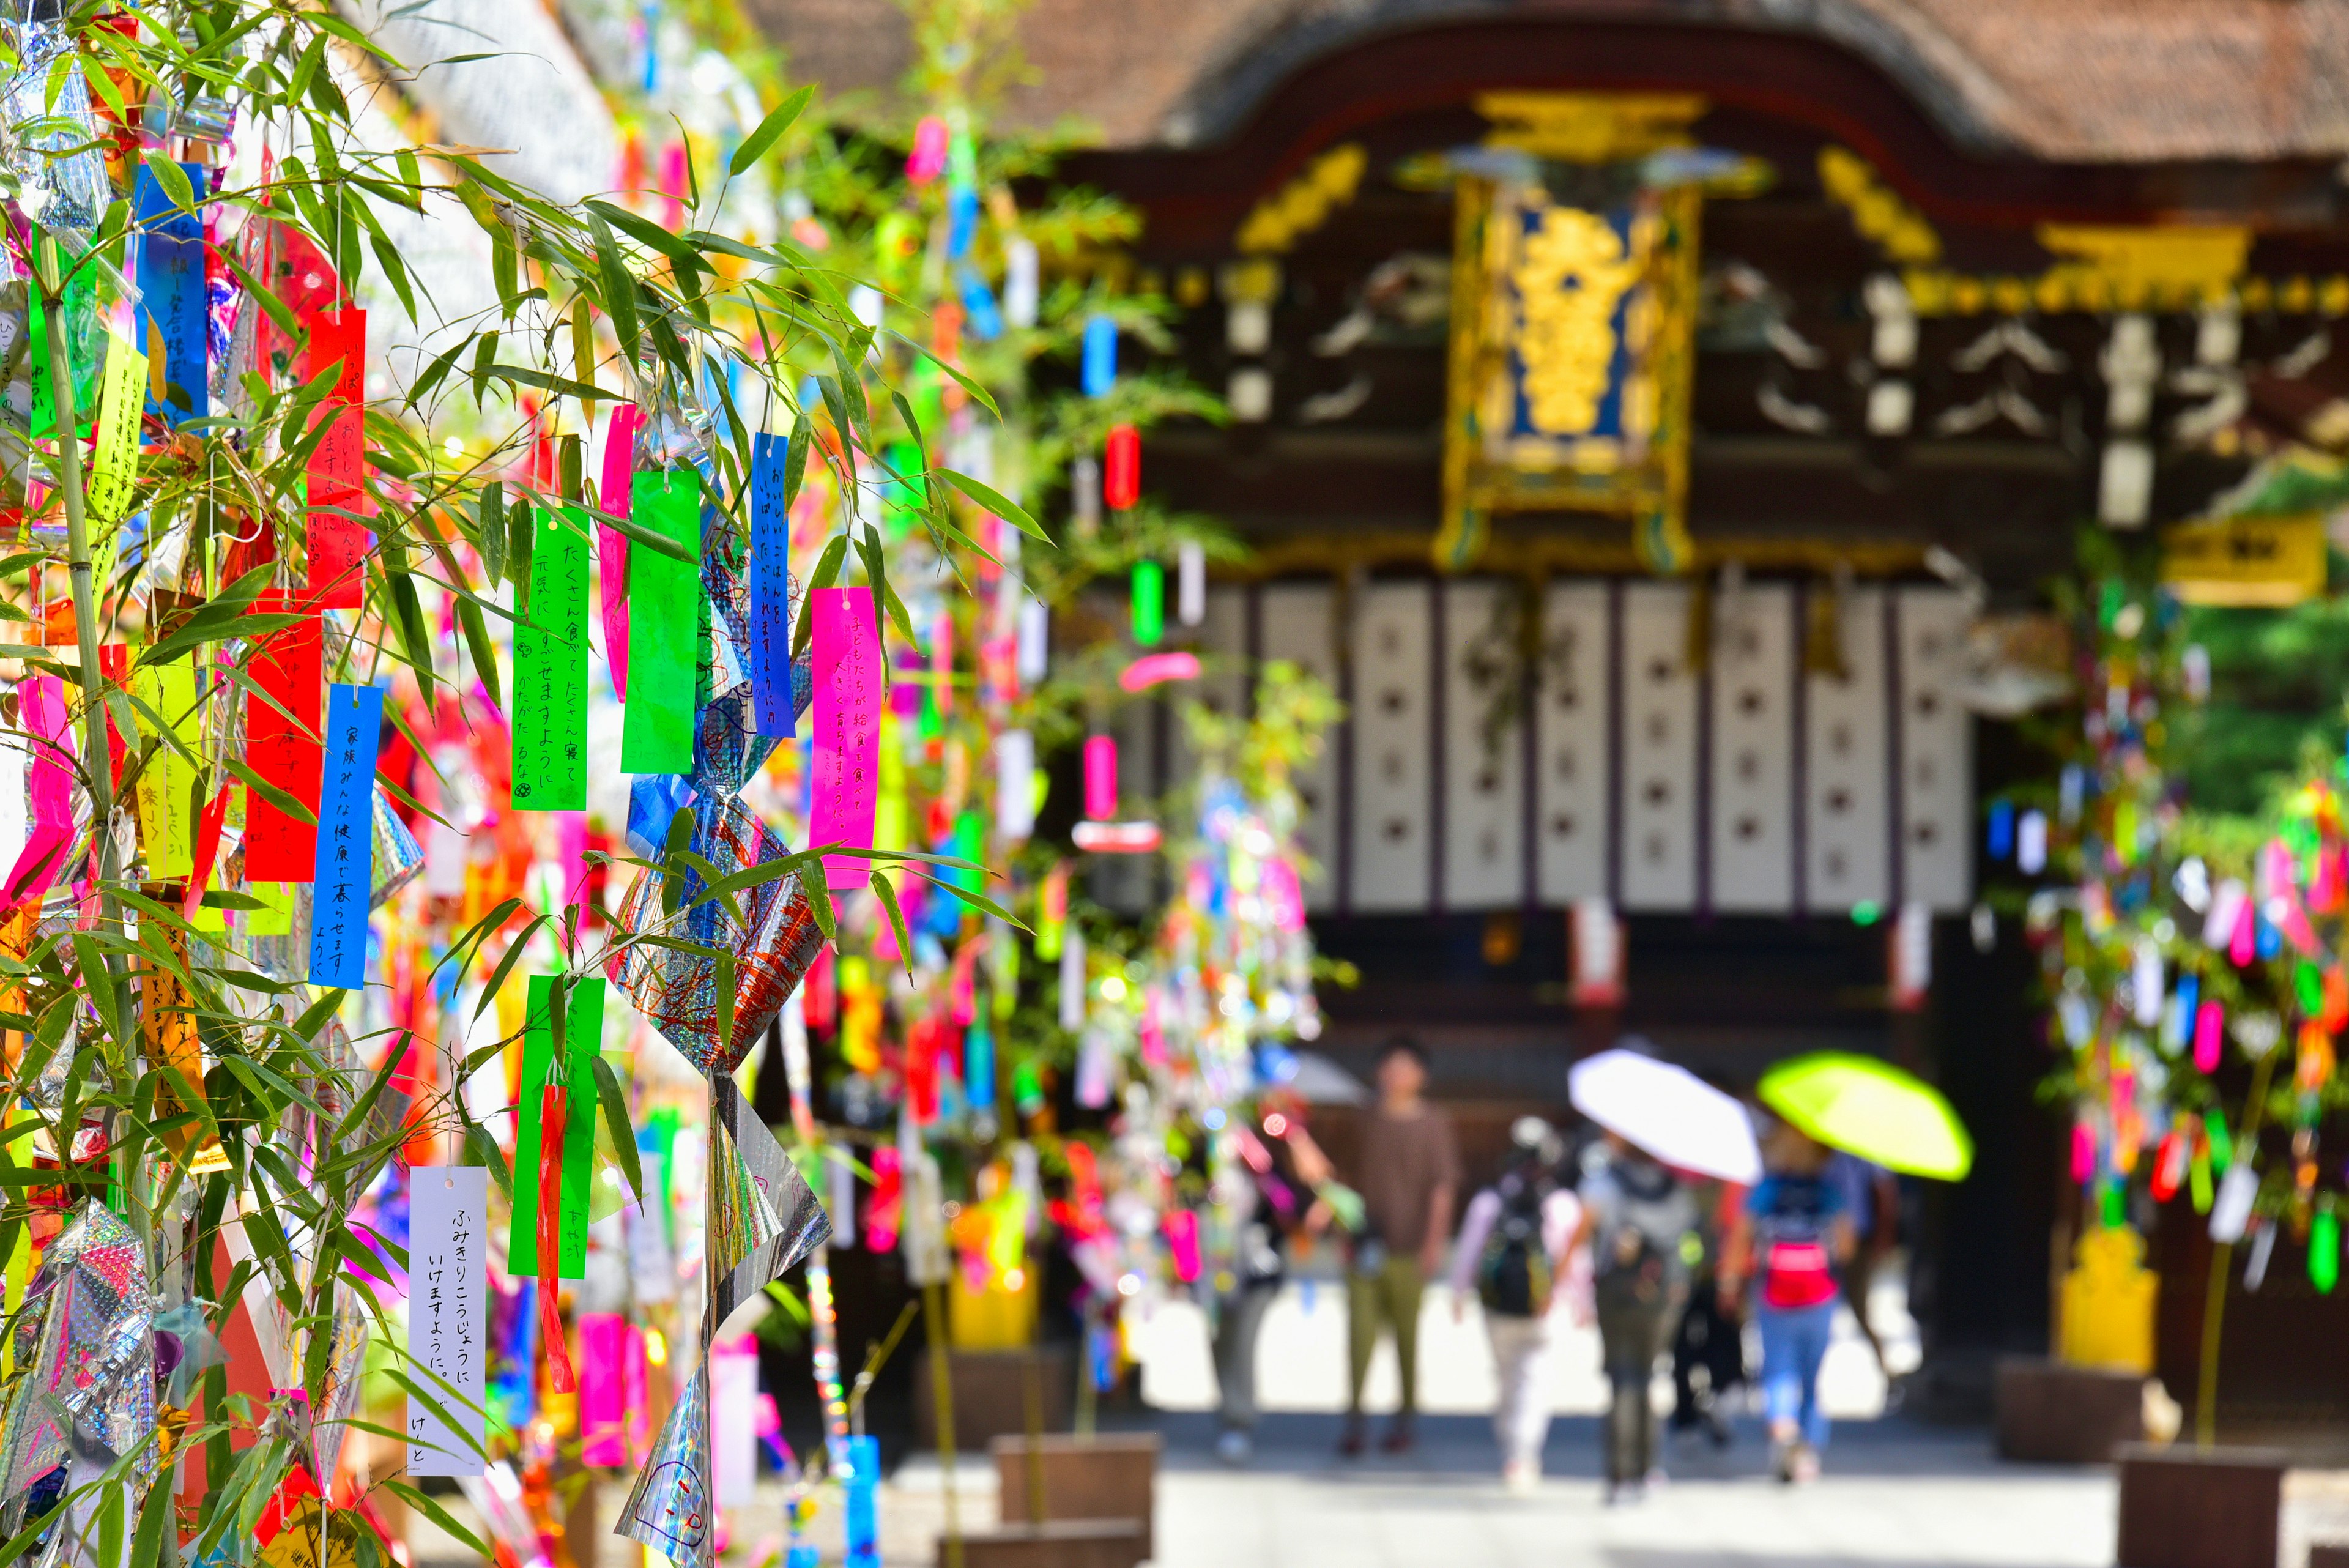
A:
(2068, 80)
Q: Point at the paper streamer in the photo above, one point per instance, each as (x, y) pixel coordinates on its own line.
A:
(665, 623)
(121, 402)
(171, 306)
(1015, 785)
(549, 660)
(604, 1346)
(447, 1314)
(770, 589)
(168, 785)
(282, 752)
(337, 544)
(845, 717)
(345, 871)
(41, 707)
(611, 545)
(582, 1031)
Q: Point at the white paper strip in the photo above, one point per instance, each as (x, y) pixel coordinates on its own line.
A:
(1483, 749)
(1753, 806)
(1391, 741)
(1845, 824)
(448, 1314)
(1295, 623)
(1659, 765)
(734, 1420)
(1572, 732)
(1935, 751)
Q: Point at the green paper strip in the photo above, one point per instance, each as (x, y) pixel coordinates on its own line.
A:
(122, 403)
(583, 1033)
(550, 686)
(167, 797)
(664, 617)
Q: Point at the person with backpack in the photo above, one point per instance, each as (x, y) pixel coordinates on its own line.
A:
(1794, 1234)
(1512, 1253)
(1635, 1216)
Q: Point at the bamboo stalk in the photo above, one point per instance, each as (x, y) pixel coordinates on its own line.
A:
(2214, 1300)
(942, 1392)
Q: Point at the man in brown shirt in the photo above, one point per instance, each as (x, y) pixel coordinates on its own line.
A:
(1408, 1176)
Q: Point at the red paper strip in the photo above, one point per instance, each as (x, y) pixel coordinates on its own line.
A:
(208, 838)
(288, 665)
(337, 544)
(554, 1115)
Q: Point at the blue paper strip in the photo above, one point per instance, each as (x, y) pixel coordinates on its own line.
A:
(770, 587)
(171, 298)
(346, 872)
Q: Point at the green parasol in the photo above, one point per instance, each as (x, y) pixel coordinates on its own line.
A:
(1872, 1109)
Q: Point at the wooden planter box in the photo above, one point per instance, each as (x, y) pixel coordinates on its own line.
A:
(2051, 1412)
(990, 1394)
(1057, 1544)
(2188, 1508)
(1111, 1476)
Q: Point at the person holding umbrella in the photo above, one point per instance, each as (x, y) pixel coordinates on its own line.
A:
(1792, 1238)
(1658, 1118)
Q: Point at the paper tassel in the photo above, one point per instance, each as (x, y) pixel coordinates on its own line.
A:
(2209, 1021)
(1073, 980)
(1122, 468)
(1035, 639)
(1099, 366)
(1149, 594)
(1015, 785)
(1191, 583)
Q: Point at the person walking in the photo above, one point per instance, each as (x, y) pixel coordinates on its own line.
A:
(1871, 1197)
(1266, 1220)
(1790, 1240)
(1514, 1253)
(1636, 1215)
(1408, 1173)
(1708, 1346)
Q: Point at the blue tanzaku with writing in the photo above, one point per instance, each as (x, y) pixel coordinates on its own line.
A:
(346, 865)
(171, 314)
(771, 590)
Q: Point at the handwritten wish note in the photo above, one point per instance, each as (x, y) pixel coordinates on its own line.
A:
(338, 543)
(122, 400)
(770, 592)
(346, 860)
(167, 787)
(665, 619)
(171, 303)
(280, 746)
(582, 1031)
(550, 687)
(615, 495)
(448, 1316)
(42, 705)
(845, 713)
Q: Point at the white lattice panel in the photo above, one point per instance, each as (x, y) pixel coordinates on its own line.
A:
(1935, 751)
(1755, 666)
(1295, 622)
(1659, 749)
(1392, 740)
(1483, 750)
(1845, 826)
(1570, 738)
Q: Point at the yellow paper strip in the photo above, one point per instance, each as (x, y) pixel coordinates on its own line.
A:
(167, 806)
(122, 402)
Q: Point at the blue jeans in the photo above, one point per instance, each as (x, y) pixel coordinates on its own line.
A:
(1794, 1344)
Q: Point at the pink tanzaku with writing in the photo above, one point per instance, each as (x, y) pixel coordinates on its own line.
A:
(49, 783)
(844, 713)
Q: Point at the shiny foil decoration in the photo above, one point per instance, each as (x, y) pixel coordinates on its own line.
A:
(762, 1218)
(87, 1340)
(397, 857)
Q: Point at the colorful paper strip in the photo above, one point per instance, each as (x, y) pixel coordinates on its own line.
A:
(346, 860)
(770, 592)
(583, 1030)
(845, 639)
(171, 299)
(168, 785)
(338, 543)
(41, 706)
(614, 495)
(550, 686)
(283, 750)
(448, 1315)
(663, 617)
(122, 402)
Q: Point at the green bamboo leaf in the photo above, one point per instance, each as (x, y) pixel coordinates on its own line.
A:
(614, 1099)
(477, 643)
(884, 890)
(505, 965)
(754, 146)
(992, 500)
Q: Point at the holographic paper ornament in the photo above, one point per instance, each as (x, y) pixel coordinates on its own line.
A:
(87, 1340)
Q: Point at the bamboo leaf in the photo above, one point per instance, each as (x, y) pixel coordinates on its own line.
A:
(754, 146)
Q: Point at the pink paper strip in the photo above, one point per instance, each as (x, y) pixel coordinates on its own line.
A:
(1101, 777)
(614, 495)
(42, 710)
(844, 715)
(603, 1389)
